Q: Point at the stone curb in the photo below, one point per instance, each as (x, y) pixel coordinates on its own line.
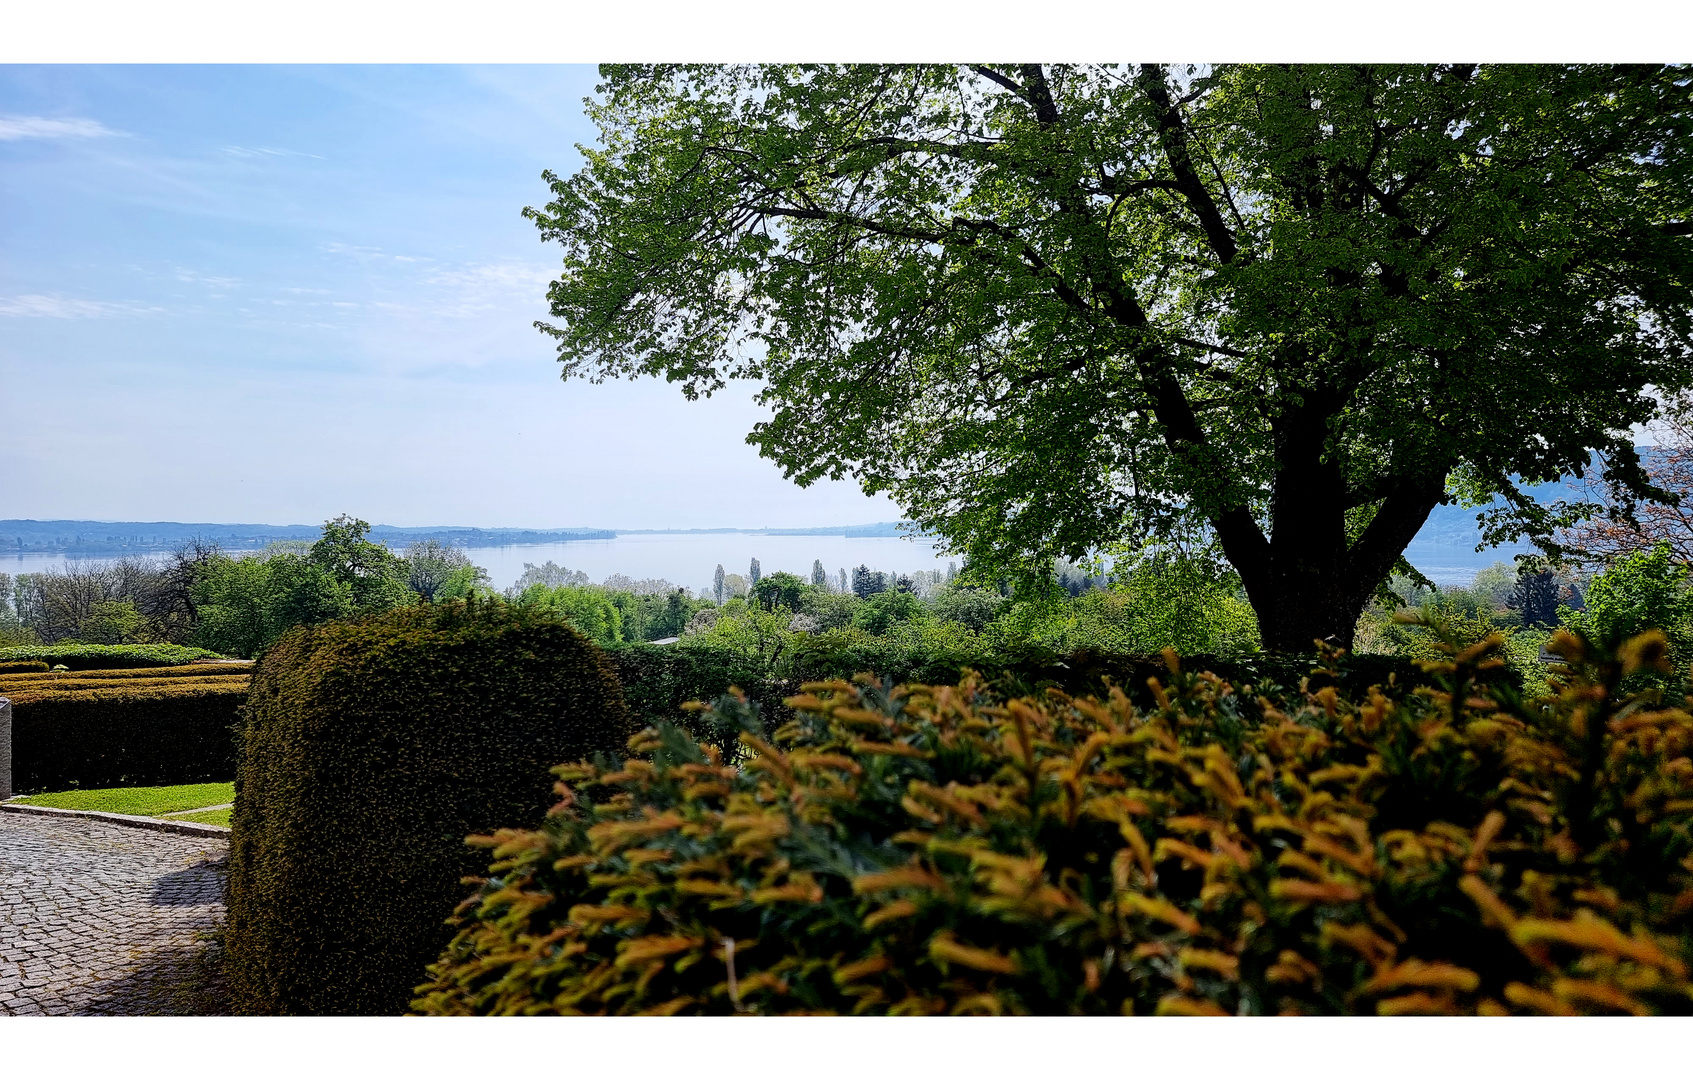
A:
(187, 828)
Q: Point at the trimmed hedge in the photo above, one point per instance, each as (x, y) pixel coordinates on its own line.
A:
(16, 667)
(69, 682)
(369, 749)
(659, 679)
(928, 850)
(124, 735)
(80, 657)
(42, 676)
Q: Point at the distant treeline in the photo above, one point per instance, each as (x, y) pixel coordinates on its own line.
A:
(107, 537)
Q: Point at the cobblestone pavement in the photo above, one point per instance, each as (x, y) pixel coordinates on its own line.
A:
(98, 919)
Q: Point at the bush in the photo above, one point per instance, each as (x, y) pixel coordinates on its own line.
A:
(884, 610)
(658, 680)
(975, 608)
(369, 749)
(922, 851)
(81, 657)
(39, 674)
(60, 682)
(1640, 590)
(18, 667)
(124, 735)
(588, 609)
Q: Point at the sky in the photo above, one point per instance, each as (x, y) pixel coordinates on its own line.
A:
(279, 293)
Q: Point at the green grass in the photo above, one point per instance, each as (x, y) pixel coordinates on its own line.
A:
(141, 801)
(205, 817)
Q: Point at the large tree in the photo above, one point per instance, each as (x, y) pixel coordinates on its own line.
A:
(1053, 309)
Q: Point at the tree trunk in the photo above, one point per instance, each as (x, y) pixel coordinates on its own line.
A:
(1305, 581)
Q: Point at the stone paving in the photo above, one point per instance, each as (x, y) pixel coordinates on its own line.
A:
(98, 919)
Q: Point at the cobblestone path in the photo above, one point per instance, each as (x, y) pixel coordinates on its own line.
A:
(99, 919)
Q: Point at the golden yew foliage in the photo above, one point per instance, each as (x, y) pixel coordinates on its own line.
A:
(925, 850)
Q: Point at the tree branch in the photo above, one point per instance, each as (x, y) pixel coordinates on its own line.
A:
(1172, 132)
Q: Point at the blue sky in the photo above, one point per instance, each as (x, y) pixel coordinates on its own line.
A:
(275, 294)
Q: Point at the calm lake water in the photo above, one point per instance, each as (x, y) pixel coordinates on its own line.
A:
(686, 559)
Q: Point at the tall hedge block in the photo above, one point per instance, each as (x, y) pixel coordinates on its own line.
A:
(368, 751)
(128, 733)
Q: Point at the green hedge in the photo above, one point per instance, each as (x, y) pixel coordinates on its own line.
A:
(124, 736)
(658, 679)
(15, 667)
(368, 751)
(40, 675)
(80, 657)
(68, 682)
(940, 851)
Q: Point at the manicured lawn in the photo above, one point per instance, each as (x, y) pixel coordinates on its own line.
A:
(205, 817)
(142, 801)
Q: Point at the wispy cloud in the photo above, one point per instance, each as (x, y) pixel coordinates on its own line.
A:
(477, 289)
(267, 151)
(48, 127)
(211, 281)
(370, 254)
(35, 305)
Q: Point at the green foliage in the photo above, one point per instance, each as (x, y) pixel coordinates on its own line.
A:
(1184, 606)
(780, 589)
(437, 571)
(374, 576)
(883, 610)
(971, 607)
(831, 610)
(588, 609)
(652, 615)
(369, 749)
(931, 850)
(79, 657)
(124, 732)
(247, 603)
(1055, 307)
(114, 622)
(1640, 590)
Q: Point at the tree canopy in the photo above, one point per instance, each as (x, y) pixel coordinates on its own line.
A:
(1058, 309)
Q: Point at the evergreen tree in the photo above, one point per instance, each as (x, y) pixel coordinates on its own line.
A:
(819, 576)
(1536, 597)
(717, 584)
(867, 583)
(845, 588)
(754, 573)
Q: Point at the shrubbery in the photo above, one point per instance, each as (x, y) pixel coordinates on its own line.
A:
(39, 675)
(78, 657)
(368, 750)
(921, 851)
(122, 732)
(18, 667)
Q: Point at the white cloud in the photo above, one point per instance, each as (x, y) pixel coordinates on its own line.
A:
(266, 151)
(35, 305)
(210, 281)
(46, 127)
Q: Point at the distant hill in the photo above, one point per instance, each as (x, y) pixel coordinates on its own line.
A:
(117, 537)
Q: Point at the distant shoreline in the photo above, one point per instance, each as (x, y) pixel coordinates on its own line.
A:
(25, 536)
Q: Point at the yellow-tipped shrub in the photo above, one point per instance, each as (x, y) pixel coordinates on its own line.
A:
(926, 851)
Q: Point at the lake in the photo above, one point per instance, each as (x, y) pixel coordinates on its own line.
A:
(686, 559)
(689, 559)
